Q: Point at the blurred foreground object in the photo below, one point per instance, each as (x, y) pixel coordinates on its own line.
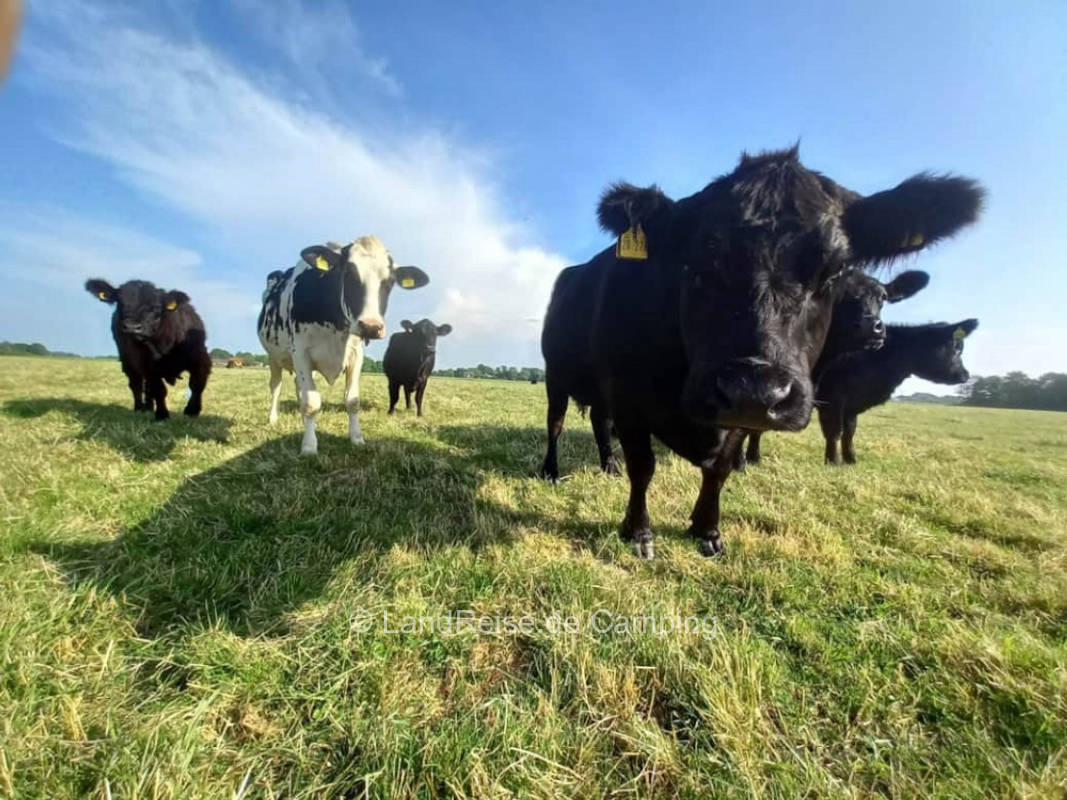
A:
(9, 25)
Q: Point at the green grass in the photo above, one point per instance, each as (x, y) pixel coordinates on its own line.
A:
(176, 604)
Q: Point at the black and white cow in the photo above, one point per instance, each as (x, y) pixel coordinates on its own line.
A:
(318, 315)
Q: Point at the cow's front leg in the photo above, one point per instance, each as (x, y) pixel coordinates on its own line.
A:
(352, 371)
(309, 401)
(640, 466)
(847, 450)
(275, 391)
(705, 516)
(198, 376)
(157, 394)
(601, 423)
(137, 387)
(830, 419)
(420, 390)
(557, 413)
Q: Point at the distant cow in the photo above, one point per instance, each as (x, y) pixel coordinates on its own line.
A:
(317, 316)
(857, 382)
(234, 362)
(707, 315)
(856, 325)
(409, 360)
(159, 336)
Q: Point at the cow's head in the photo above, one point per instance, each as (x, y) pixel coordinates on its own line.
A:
(368, 275)
(939, 351)
(757, 254)
(141, 307)
(426, 334)
(856, 321)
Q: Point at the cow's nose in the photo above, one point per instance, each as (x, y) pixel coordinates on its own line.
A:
(760, 397)
(371, 328)
(878, 327)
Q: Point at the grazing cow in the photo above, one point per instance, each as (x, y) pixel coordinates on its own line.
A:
(234, 362)
(856, 382)
(856, 325)
(409, 360)
(159, 336)
(317, 316)
(707, 315)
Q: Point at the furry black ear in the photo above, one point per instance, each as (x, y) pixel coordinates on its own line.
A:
(444, 330)
(102, 289)
(906, 284)
(917, 213)
(624, 205)
(965, 328)
(406, 325)
(173, 299)
(322, 258)
(411, 278)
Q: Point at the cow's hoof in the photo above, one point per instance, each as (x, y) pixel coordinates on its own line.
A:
(161, 417)
(644, 549)
(550, 474)
(359, 441)
(712, 547)
(611, 467)
(309, 451)
(192, 412)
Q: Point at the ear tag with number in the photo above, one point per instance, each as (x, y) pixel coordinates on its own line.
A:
(407, 283)
(322, 263)
(915, 240)
(632, 245)
(173, 304)
(959, 334)
(102, 295)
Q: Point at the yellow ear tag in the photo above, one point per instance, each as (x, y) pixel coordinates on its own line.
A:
(102, 295)
(632, 245)
(916, 240)
(173, 304)
(959, 334)
(322, 263)
(407, 283)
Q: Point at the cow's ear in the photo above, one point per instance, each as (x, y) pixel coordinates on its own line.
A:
(319, 257)
(906, 284)
(444, 330)
(406, 325)
(917, 213)
(102, 290)
(411, 278)
(173, 299)
(961, 330)
(624, 206)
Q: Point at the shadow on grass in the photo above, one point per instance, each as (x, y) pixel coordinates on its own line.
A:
(134, 434)
(258, 536)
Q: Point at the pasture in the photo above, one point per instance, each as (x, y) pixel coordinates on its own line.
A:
(191, 609)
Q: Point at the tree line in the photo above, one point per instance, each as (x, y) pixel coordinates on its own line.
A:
(1018, 390)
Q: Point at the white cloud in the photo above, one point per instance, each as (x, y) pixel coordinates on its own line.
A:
(267, 175)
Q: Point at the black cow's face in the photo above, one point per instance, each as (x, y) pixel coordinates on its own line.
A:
(856, 322)
(140, 305)
(941, 356)
(426, 333)
(758, 253)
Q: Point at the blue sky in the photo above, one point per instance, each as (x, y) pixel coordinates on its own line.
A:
(203, 144)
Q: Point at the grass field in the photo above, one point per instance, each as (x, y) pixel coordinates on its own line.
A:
(190, 609)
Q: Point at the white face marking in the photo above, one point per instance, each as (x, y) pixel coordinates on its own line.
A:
(373, 265)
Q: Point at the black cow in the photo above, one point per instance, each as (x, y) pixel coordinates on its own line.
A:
(856, 325)
(857, 382)
(159, 336)
(708, 314)
(409, 360)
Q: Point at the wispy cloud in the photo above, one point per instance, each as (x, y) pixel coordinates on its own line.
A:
(262, 171)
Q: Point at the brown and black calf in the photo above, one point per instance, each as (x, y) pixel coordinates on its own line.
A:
(409, 360)
(159, 336)
(857, 382)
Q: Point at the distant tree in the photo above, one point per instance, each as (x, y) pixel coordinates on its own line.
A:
(219, 353)
(1018, 390)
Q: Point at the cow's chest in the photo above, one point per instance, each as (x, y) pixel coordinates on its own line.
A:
(326, 348)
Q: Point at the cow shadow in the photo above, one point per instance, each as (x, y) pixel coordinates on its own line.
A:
(518, 451)
(244, 543)
(134, 434)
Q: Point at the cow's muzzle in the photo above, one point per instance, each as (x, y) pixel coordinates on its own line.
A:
(750, 393)
(371, 328)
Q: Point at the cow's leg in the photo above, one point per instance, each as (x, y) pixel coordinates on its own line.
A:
(352, 371)
(136, 383)
(830, 422)
(309, 401)
(420, 390)
(846, 439)
(407, 397)
(705, 516)
(157, 391)
(738, 460)
(752, 454)
(394, 395)
(602, 433)
(640, 466)
(275, 391)
(557, 412)
(198, 376)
